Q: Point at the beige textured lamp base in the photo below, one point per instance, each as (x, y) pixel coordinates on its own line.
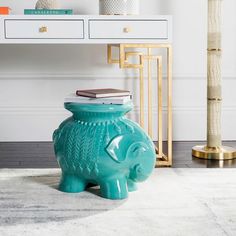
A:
(219, 153)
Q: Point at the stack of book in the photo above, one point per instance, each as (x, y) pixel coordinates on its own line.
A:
(100, 96)
(48, 11)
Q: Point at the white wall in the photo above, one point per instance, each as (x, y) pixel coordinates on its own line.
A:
(35, 78)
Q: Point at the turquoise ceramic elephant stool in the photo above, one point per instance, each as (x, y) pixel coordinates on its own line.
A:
(98, 145)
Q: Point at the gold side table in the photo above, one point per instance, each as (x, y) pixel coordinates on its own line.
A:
(125, 52)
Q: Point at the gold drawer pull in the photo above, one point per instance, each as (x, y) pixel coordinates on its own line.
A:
(127, 30)
(43, 29)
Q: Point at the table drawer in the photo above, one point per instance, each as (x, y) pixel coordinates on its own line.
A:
(128, 29)
(44, 29)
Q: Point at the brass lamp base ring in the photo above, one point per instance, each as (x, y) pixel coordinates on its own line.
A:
(216, 153)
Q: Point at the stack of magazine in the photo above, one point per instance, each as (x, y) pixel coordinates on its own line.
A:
(100, 96)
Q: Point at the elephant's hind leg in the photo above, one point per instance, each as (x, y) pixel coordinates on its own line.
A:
(72, 183)
(114, 188)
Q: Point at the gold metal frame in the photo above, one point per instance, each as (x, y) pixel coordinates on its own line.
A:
(123, 61)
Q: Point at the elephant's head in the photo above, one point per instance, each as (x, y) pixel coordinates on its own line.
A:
(134, 152)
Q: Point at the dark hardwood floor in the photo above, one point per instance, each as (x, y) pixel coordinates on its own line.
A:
(41, 155)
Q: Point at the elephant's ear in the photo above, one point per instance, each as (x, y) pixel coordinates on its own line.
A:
(118, 147)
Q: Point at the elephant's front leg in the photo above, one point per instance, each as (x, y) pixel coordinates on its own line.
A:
(72, 183)
(132, 186)
(114, 188)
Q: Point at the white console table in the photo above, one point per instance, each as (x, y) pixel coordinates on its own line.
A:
(128, 34)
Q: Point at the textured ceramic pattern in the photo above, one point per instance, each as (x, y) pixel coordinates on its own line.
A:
(99, 145)
(47, 4)
(119, 7)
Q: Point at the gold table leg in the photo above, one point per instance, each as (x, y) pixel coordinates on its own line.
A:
(169, 100)
(123, 61)
(150, 129)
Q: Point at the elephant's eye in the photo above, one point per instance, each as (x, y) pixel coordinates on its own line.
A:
(139, 149)
(135, 149)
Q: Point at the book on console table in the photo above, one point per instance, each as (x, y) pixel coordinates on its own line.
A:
(103, 93)
(108, 100)
(48, 11)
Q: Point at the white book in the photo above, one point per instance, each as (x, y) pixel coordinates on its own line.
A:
(87, 100)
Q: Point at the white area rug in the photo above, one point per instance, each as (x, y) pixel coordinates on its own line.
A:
(172, 202)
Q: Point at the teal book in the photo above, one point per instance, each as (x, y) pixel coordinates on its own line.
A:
(48, 11)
